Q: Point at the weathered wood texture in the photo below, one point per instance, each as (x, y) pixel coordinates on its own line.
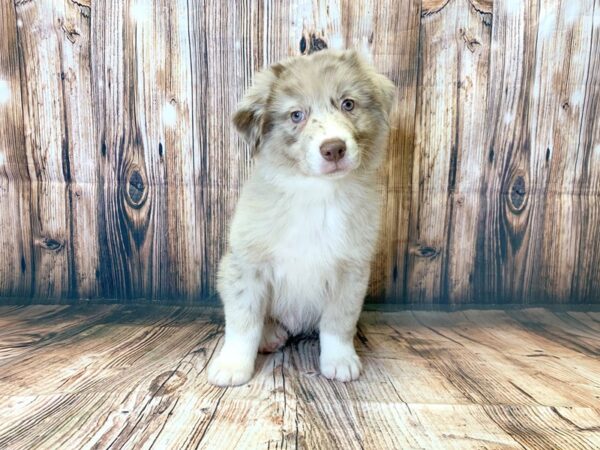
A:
(119, 168)
(135, 377)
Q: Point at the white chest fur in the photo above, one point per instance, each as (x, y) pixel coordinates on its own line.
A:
(305, 261)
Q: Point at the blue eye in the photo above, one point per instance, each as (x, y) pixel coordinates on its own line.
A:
(348, 105)
(297, 116)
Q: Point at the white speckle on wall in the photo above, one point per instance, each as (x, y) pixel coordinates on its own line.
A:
(572, 11)
(4, 92)
(140, 11)
(509, 118)
(19, 23)
(576, 98)
(513, 6)
(336, 42)
(547, 24)
(597, 150)
(237, 44)
(2, 158)
(169, 115)
(535, 92)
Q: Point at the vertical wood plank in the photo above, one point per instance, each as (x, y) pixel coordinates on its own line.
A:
(132, 212)
(564, 33)
(510, 220)
(16, 269)
(394, 41)
(435, 149)
(586, 278)
(107, 73)
(40, 43)
(220, 161)
(79, 151)
(473, 30)
(176, 153)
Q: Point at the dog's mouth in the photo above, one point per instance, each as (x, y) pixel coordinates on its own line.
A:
(337, 169)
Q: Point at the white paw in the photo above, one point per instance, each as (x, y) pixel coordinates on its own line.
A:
(230, 370)
(342, 367)
(273, 338)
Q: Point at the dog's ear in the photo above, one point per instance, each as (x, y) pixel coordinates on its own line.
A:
(249, 116)
(385, 88)
(387, 91)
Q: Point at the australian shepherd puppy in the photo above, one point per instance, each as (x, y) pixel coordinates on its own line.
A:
(305, 228)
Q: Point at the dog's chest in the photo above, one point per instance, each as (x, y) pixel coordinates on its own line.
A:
(305, 263)
(312, 234)
(310, 243)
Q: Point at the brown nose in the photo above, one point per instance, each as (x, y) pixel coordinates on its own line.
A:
(333, 150)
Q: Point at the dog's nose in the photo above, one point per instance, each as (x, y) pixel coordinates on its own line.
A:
(333, 150)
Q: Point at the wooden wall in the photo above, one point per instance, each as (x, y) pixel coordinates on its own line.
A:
(119, 169)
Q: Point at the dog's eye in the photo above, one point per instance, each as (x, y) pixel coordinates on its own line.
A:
(297, 116)
(348, 105)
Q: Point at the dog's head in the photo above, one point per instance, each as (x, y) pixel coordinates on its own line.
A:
(325, 114)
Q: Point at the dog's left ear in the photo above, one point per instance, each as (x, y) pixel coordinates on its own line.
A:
(387, 91)
(250, 114)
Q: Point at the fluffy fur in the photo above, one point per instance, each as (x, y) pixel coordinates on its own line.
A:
(305, 228)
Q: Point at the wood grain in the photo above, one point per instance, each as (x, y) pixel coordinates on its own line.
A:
(16, 270)
(586, 288)
(465, 177)
(435, 148)
(134, 377)
(119, 169)
(511, 219)
(395, 54)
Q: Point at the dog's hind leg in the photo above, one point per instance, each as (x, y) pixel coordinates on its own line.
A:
(274, 337)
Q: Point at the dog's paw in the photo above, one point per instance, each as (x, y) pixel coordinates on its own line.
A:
(273, 338)
(229, 371)
(342, 367)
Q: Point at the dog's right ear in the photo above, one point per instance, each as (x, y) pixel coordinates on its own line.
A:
(250, 114)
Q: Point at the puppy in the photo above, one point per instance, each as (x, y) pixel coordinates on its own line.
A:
(305, 228)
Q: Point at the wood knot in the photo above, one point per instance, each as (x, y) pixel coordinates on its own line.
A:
(428, 252)
(311, 43)
(70, 30)
(167, 382)
(518, 191)
(482, 6)
(469, 39)
(52, 245)
(137, 191)
(429, 7)
(425, 251)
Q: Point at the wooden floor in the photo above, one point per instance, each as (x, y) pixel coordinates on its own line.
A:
(135, 377)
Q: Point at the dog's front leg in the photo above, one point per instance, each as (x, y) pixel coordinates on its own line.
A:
(243, 292)
(337, 327)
